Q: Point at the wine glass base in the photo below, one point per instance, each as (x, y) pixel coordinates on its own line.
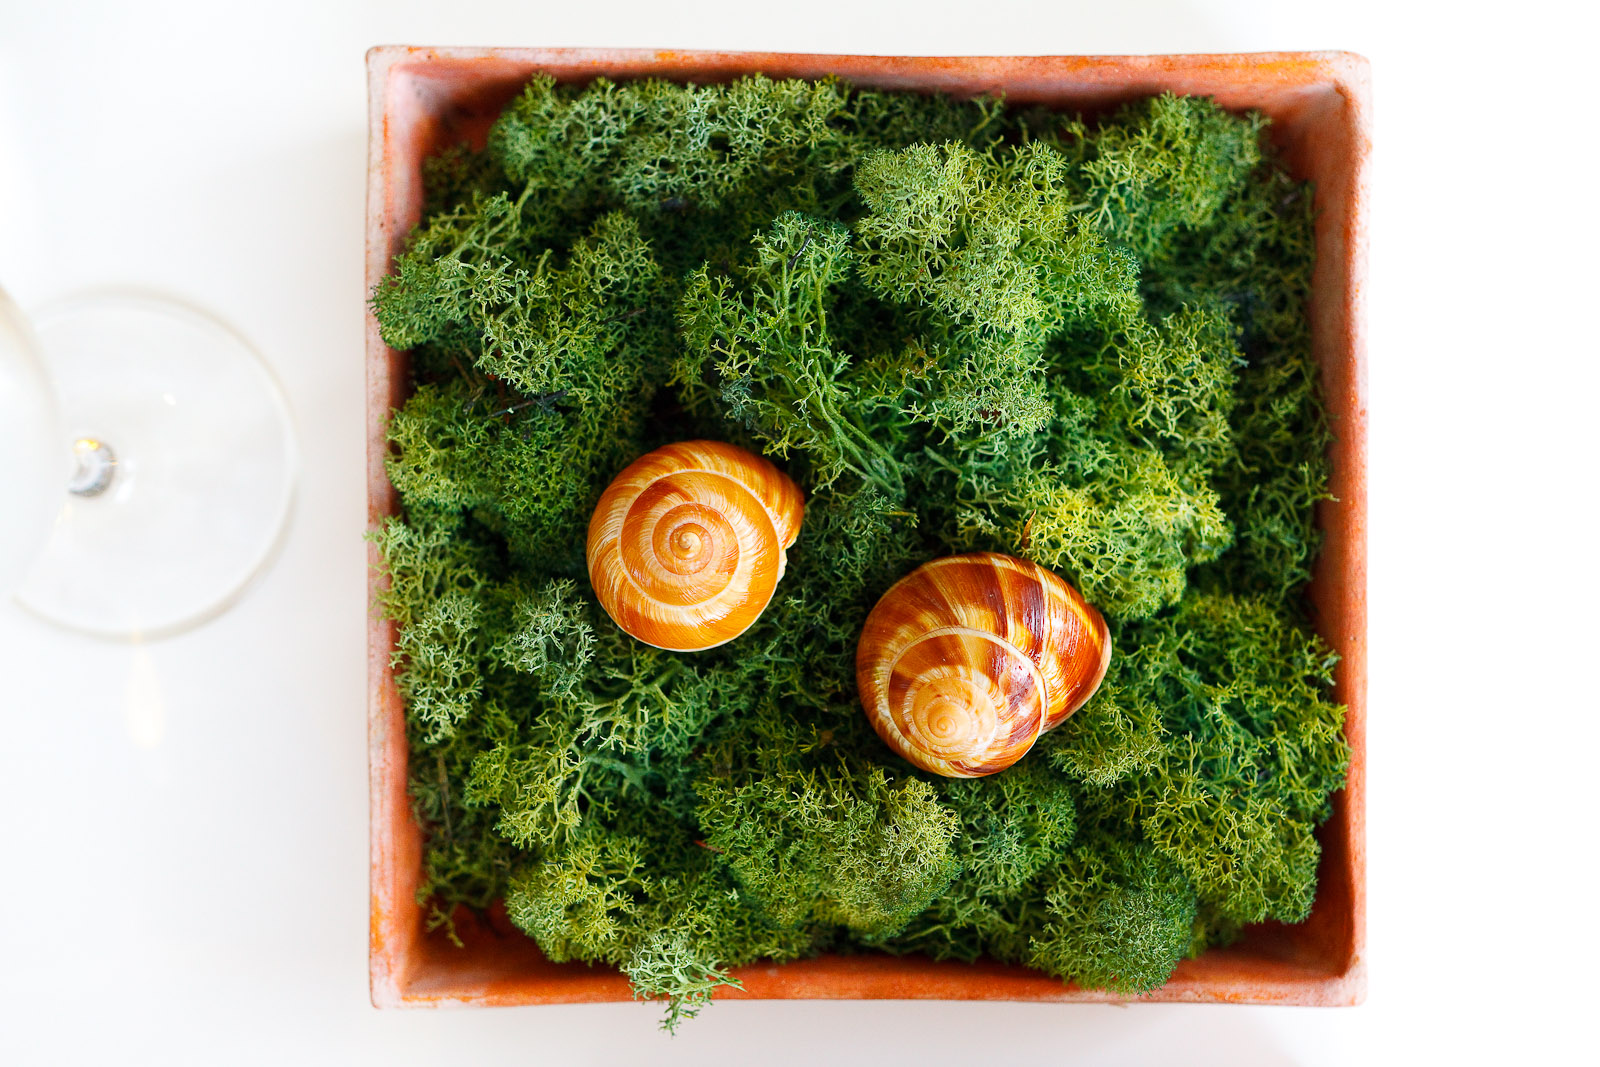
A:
(202, 467)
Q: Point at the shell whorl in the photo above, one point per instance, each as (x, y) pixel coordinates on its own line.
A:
(967, 660)
(688, 543)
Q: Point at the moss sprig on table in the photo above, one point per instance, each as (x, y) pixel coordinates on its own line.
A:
(959, 326)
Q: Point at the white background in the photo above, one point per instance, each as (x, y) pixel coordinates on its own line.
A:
(184, 854)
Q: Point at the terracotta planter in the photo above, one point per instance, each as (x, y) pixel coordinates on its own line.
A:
(423, 98)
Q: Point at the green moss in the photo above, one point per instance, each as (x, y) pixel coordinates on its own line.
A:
(959, 326)
(818, 841)
(1165, 167)
(993, 258)
(550, 638)
(1120, 916)
(576, 901)
(760, 353)
(1213, 736)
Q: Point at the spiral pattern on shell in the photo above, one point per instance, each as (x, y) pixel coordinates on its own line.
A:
(967, 660)
(688, 543)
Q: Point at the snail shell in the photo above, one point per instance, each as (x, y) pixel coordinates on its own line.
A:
(967, 660)
(688, 543)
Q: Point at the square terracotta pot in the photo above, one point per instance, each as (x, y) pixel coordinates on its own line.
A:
(424, 98)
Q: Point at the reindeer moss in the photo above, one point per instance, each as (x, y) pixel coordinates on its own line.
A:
(959, 326)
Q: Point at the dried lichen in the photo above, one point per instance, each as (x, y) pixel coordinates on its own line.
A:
(959, 327)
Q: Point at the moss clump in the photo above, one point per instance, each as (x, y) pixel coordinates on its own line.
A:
(960, 327)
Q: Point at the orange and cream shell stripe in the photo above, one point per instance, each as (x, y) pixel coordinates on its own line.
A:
(689, 542)
(968, 660)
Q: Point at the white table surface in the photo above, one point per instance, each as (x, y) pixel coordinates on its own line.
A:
(184, 861)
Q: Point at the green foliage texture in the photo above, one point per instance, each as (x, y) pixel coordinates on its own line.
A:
(959, 326)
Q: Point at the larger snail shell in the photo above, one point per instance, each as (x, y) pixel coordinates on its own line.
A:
(967, 660)
(688, 543)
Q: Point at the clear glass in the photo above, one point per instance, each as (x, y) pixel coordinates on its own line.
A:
(179, 460)
(34, 465)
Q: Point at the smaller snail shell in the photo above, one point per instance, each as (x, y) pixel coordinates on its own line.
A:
(967, 660)
(688, 543)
